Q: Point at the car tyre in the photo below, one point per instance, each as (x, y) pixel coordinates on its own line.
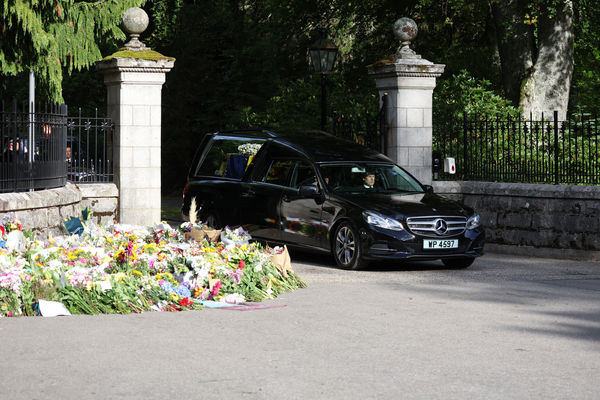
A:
(212, 220)
(346, 248)
(458, 263)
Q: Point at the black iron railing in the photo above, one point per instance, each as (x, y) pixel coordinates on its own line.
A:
(89, 149)
(45, 148)
(368, 130)
(517, 150)
(32, 147)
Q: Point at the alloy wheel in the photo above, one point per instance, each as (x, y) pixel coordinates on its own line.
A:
(345, 245)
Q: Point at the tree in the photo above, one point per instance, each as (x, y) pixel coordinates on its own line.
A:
(49, 36)
(536, 45)
(586, 80)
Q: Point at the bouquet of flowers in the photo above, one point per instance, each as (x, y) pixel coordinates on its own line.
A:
(11, 232)
(125, 269)
(198, 231)
(235, 237)
(249, 149)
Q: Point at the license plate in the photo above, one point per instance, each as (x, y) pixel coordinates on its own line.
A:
(440, 244)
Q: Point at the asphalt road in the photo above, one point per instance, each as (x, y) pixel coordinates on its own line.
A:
(506, 328)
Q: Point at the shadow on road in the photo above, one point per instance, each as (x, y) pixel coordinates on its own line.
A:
(326, 261)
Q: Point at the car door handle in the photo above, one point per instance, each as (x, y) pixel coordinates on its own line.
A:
(248, 194)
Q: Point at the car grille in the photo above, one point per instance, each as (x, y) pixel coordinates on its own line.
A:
(436, 226)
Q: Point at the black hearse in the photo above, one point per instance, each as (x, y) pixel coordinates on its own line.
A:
(316, 191)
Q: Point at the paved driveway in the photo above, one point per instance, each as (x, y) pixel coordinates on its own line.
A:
(506, 328)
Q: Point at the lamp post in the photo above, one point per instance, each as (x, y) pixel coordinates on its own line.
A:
(323, 53)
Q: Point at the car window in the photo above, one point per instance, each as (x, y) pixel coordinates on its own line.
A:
(304, 174)
(229, 157)
(351, 177)
(278, 172)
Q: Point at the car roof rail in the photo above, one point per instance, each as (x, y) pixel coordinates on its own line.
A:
(270, 133)
(248, 131)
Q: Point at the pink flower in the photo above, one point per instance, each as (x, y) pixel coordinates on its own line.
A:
(236, 276)
(241, 264)
(215, 289)
(204, 295)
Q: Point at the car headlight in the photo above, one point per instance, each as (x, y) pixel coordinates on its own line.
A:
(473, 222)
(382, 221)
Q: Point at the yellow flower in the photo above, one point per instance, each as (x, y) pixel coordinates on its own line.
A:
(118, 254)
(88, 285)
(151, 248)
(135, 271)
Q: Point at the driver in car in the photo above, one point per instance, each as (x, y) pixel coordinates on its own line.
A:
(369, 180)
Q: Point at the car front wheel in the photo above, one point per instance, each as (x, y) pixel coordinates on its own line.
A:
(346, 248)
(462, 262)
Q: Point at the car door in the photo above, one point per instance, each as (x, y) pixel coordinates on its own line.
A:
(261, 194)
(301, 216)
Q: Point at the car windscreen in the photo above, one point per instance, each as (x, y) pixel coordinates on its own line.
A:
(353, 177)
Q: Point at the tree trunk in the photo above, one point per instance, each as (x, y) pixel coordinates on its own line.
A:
(537, 79)
(546, 89)
(516, 45)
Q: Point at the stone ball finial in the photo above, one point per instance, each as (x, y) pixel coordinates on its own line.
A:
(135, 21)
(405, 29)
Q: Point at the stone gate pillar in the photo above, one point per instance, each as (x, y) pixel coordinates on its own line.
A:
(409, 81)
(134, 77)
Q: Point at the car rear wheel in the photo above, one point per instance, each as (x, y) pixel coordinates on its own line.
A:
(212, 220)
(346, 248)
(462, 262)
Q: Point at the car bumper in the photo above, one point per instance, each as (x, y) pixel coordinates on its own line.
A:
(384, 244)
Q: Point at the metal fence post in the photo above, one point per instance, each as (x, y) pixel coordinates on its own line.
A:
(556, 181)
(465, 167)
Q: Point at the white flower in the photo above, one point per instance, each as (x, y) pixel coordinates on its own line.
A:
(233, 298)
(249, 148)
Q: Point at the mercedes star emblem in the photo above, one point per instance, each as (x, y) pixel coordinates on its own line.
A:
(440, 226)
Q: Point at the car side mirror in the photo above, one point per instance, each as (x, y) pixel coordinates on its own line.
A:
(309, 191)
(428, 188)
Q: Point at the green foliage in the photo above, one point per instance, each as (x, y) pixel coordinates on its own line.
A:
(230, 55)
(49, 36)
(244, 63)
(586, 80)
(462, 94)
(298, 105)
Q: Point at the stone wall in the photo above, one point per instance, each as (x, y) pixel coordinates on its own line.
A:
(538, 220)
(44, 211)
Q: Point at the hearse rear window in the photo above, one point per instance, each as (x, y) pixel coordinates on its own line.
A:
(229, 157)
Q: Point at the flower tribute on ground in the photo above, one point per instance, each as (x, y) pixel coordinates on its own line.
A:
(125, 269)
